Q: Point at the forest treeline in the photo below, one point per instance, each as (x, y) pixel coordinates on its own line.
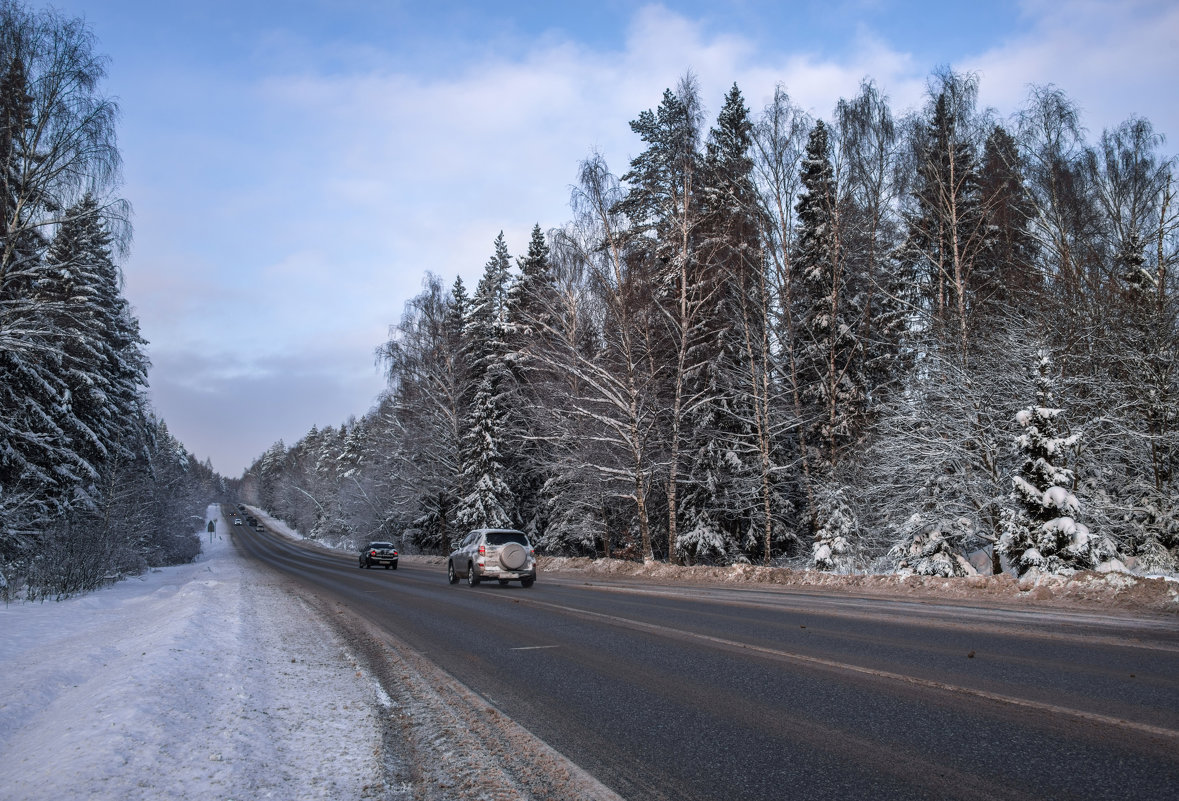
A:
(877, 341)
(92, 484)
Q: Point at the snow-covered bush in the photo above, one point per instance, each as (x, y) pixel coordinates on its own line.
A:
(932, 548)
(702, 541)
(1154, 558)
(1153, 532)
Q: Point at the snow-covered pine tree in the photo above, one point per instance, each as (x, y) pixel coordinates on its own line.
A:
(531, 314)
(829, 353)
(836, 545)
(1040, 530)
(530, 296)
(104, 366)
(486, 498)
(728, 486)
(488, 502)
(868, 147)
(484, 334)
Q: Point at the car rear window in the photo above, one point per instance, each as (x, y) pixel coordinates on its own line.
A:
(504, 537)
(385, 545)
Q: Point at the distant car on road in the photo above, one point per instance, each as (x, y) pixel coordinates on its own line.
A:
(237, 521)
(502, 554)
(379, 553)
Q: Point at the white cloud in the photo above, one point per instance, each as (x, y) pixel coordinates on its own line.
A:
(1116, 59)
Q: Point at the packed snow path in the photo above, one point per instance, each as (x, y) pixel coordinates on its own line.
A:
(191, 682)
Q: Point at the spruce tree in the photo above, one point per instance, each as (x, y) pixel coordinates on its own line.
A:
(728, 494)
(485, 498)
(103, 364)
(836, 546)
(1005, 278)
(488, 502)
(829, 353)
(530, 296)
(1041, 528)
(868, 151)
(531, 315)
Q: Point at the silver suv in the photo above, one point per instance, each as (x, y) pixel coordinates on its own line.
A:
(503, 554)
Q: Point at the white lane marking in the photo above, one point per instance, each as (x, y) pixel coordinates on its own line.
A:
(533, 647)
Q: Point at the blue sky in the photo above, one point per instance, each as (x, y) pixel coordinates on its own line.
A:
(296, 167)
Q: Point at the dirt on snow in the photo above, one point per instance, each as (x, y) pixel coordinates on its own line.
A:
(1086, 589)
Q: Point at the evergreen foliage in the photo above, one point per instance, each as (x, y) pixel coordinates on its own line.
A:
(92, 485)
(829, 355)
(836, 545)
(1041, 530)
(796, 342)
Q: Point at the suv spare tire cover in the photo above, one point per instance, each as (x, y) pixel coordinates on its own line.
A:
(513, 556)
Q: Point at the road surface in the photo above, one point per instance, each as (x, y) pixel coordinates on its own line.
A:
(709, 692)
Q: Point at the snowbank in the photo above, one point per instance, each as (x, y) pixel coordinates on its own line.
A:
(191, 682)
(1085, 589)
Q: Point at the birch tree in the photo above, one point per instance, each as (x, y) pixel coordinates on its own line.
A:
(662, 204)
(611, 399)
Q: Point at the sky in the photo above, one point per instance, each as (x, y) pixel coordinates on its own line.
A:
(296, 168)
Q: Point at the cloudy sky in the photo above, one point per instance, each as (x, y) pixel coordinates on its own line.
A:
(297, 166)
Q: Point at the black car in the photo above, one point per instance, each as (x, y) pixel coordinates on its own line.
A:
(379, 553)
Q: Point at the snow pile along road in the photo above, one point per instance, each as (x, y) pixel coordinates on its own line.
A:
(191, 682)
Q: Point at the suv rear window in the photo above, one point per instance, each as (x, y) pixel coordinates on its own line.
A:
(504, 537)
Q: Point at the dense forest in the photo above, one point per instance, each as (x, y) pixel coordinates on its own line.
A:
(875, 342)
(92, 485)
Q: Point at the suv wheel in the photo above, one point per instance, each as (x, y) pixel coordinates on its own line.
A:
(472, 578)
(450, 576)
(527, 582)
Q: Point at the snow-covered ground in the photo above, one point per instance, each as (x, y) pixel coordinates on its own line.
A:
(190, 682)
(1085, 589)
(213, 681)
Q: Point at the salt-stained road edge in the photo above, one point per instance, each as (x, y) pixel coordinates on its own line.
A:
(457, 744)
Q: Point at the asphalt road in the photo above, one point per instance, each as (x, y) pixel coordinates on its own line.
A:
(709, 692)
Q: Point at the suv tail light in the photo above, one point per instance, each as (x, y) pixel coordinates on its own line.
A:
(483, 550)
